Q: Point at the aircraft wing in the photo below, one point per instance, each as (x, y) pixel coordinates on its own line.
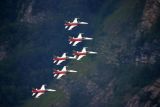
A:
(71, 27)
(59, 76)
(39, 94)
(59, 62)
(81, 56)
(75, 43)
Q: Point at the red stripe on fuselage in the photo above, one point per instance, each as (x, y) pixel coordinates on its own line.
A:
(79, 53)
(38, 91)
(75, 39)
(59, 72)
(59, 59)
(71, 24)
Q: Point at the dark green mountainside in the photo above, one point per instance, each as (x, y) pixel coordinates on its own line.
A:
(124, 73)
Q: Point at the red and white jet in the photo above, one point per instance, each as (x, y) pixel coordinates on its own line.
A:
(77, 40)
(41, 91)
(83, 53)
(60, 73)
(71, 25)
(59, 60)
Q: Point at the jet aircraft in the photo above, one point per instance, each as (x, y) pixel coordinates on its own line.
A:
(38, 92)
(77, 40)
(60, 73)
(71, 25)
(80, 54)
(59, 60)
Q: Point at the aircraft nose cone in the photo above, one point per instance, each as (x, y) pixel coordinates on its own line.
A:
(93, 52)
(83, 23)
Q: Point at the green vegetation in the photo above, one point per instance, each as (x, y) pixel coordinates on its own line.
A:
(47, 100)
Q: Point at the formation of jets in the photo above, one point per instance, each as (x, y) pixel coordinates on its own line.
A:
(77, 55)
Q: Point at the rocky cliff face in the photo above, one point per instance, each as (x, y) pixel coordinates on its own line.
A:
(149, 20)
(148, 55)
(124, 68)
(149, 96)
(27, 16)
(150, 15)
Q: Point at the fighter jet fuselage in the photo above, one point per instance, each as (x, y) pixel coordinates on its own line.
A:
(75, 39)
(59, 72)
(59, 58)
(38, 91)
(71, 24)
(79, 53)
(74, 23)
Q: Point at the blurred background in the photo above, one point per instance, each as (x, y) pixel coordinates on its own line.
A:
(124, 73)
